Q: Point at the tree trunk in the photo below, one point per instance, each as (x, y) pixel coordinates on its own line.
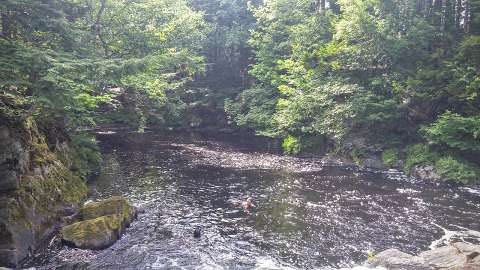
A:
(468, 17)
(458, 14)
(5, 26)
(98, 28)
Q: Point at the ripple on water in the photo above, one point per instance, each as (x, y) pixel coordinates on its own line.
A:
(309, 214)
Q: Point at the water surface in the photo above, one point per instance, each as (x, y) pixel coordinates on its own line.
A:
(309, 214)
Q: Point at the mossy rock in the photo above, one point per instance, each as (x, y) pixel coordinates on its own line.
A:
(94, 233)
(110, 206)
(102, 224)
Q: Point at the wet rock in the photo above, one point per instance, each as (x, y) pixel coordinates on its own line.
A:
(110, 206)
(197, 233)
(35, 185)
(73, 266)
(453, 257)
(394, 259)
(95, 233)
(373, 163)
(425, 172)
(456, 256)
(8, 180)
(102, 224)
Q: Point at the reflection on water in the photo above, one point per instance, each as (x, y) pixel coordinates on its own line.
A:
(308, 215)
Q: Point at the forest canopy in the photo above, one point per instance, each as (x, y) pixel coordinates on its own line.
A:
(399, 78)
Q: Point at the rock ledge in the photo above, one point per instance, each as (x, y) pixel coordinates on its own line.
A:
(456, 256)
(101, 224)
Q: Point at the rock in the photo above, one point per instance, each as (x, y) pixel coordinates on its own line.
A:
(425, 172)
(35, 185)
(8, 180)
(102, 224)
(373, 163)
(73, 266)
(97, 233)
(454, 256)
(110, 206)
(394, 259)
(197, 233)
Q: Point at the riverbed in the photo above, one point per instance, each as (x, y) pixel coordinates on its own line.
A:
(309, 214)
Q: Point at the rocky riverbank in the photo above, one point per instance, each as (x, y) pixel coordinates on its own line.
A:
(454, 256)
(37, 188)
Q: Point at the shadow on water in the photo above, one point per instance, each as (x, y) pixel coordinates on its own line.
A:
(320, 217)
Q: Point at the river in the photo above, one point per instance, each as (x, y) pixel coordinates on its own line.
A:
(308, 215)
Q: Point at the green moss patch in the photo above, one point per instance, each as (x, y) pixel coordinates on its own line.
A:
(102, 223)
(94, 233)
(113, 205)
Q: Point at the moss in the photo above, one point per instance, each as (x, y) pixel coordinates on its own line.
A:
(94, 233)
(371, 255)
(113, 205)
(39, 195)
(390, 157)
(457, 170)
(102, 224)
(41, 154)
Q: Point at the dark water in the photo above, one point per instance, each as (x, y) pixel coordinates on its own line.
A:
(308, 215)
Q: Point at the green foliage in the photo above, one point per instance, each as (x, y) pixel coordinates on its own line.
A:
(419, 154)
(254, 108)
(390, 72)
(291, 145)
(379, 70)
(86, 155)
(390, 157)
(357, 154)
(455, 131)
(457, 170)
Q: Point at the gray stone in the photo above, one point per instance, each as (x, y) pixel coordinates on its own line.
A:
(394, 259)
(425, 172)
(454, 256)
(8, 180)
(373, 163)
(4, 132)
(27, 222)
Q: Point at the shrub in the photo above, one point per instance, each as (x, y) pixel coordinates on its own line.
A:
(86, 154)
(455, 131)
(357, 155)
(457, 170)
(418, 154)
(390, 157)
(291, 145)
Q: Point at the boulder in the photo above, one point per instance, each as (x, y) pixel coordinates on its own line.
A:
(455, 256)
(110, 206)
(425, 172)
(373, 162)
(102, 224)
(97, 233)
(394, 259)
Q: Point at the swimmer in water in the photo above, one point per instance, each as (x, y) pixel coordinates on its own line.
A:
(246, 205)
